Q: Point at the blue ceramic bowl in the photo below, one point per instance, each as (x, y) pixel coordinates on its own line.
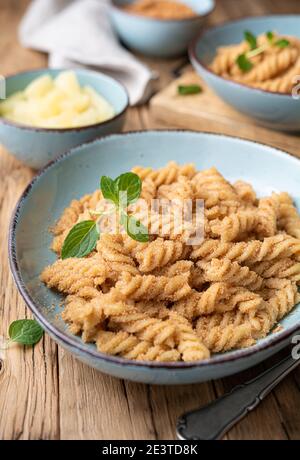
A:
(270, 109)
(157, 37)
(37, 146)
(77, 172)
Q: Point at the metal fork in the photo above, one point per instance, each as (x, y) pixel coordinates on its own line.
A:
(214, 420)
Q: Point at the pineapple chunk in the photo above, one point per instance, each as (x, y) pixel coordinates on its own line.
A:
(24, 112)
(105, 110)
(39, 87)
(50, 105)
(88, 117)
(79, 103)
(8, 105)
(68, 83)
(63, 120)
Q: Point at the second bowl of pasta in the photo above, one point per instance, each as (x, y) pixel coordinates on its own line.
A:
(254, 65)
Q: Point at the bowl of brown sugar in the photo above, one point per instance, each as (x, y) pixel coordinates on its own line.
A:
(160, 28)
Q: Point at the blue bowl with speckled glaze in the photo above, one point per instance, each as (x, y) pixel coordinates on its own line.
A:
(38, 146)
(158, 37)
(77, 172)
(270, 109)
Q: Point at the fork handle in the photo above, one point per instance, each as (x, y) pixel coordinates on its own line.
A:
(214, 420)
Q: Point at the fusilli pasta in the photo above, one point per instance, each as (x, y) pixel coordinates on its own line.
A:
(271, 68)
(171, 300)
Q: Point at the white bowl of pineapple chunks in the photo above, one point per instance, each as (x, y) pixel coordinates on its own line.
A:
(48, 111)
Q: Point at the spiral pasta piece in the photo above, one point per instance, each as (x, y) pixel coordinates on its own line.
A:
(281, 245)
(245, 192)
(288, 217)
(218, 270)
(148, 287)
(279, 304)
(84, 316)
(153, 330)
(283, 268)
(226, 56)
(180, 190)
(149, 190)
(73, 276)
(153, 308)
(166, 175)
(211, 186)
(189, 344)
(158, 254)
(245, 300)
(272, 65)
(201, 303)
(132, 247)
(69, 217)
(282, 84)
(87, 315)
(267, 210)
(225, 332)
(113, 251)
(77, 211)
(226, 208)
(178, 268)
(129, 346)
(236, 226)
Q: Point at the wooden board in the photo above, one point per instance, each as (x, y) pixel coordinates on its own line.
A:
(207, 112)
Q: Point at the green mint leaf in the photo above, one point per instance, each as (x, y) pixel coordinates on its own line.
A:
(135, 229)
(129, 187)
(251, 39)
(282, 43)
(243, 62)
(184, 90)
(270, 36)
(108, 189)
(81, 240)
(25, 331)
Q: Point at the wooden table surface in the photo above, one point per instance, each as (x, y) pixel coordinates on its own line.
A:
(44, 392)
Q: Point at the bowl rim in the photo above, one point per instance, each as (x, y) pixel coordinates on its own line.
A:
(194, 57)
(68, 340)
(115, 6)
(94, 73)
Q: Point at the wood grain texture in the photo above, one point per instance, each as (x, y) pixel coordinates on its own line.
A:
(44, 392)
(28, 377)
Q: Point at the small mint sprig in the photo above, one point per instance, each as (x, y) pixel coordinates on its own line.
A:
(121, 192)
(251, 39)
(281, 42)
(243, 60)
(185, 90)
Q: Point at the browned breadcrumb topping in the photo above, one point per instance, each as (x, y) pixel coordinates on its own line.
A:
(161, 9)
